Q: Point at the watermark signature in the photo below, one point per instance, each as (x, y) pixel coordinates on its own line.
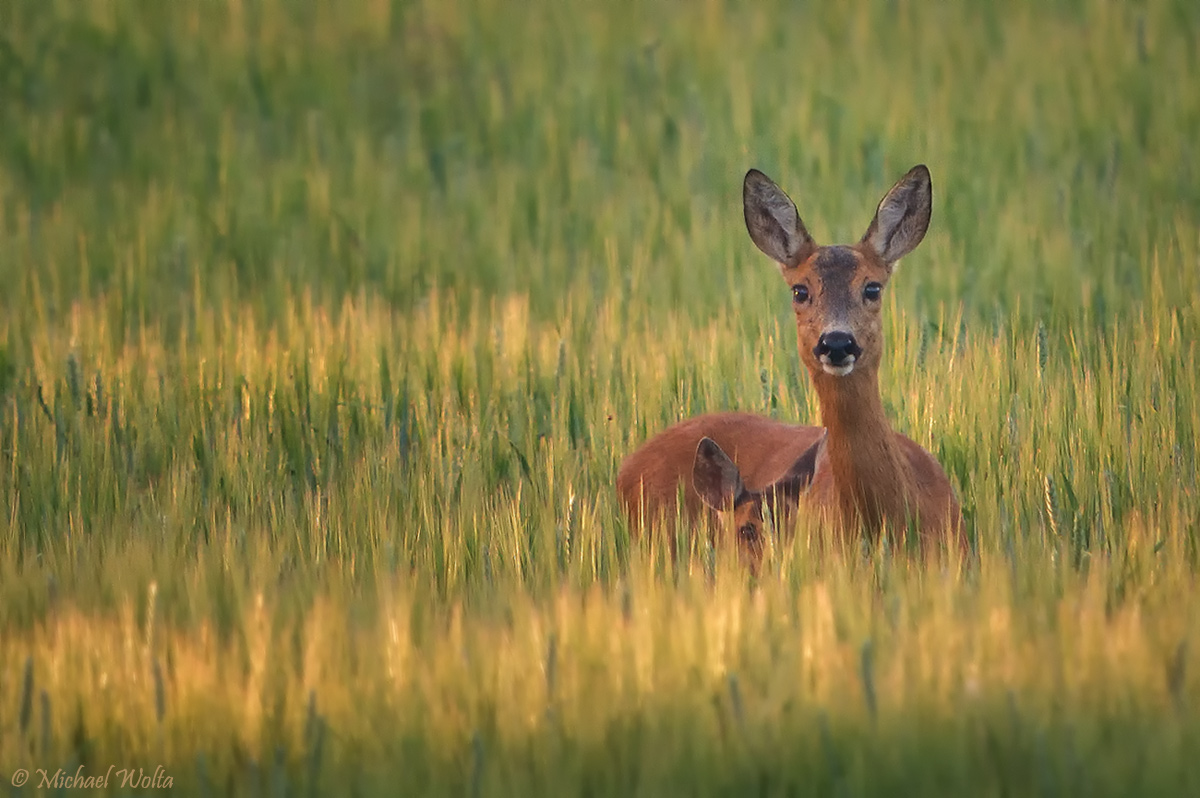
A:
(126, 778)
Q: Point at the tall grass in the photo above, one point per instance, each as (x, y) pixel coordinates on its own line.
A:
(324, 328)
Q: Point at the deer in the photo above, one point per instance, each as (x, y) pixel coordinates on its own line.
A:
(732, 467)
(854, 471)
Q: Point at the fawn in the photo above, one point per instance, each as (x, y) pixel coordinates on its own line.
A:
(730, 465)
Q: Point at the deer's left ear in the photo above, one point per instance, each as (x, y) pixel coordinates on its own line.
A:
(902, 216)
(799, 476)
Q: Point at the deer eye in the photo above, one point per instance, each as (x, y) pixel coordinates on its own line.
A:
(800, 293)
(747, 532)
(872, 291)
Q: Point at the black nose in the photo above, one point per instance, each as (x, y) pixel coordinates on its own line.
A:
(838, 347)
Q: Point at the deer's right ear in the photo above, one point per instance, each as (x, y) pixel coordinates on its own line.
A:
(773, 222)
(715, 477)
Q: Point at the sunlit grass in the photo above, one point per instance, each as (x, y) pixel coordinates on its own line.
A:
(934, 684)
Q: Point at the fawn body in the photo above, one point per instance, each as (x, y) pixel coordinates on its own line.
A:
(863, 476)
(729, 464)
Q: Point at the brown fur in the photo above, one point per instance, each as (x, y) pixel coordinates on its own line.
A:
(864, 476)
(774, 461)
(867, 474)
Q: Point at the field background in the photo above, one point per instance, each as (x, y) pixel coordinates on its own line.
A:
(324, 327)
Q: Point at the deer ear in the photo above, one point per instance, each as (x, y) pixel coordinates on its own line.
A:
(715, 477)
(902, 216)
(773, 222)
(799, 476)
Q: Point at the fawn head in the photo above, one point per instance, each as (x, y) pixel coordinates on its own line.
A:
(719, 484)
(836, 290)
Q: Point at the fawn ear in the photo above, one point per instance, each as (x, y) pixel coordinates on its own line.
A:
(773, 222)
(715, 477)
(902, 216)
(799, 476)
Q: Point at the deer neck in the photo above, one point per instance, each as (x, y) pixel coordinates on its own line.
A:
(871, 478)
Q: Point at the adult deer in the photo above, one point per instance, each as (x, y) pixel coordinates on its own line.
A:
(865, 476)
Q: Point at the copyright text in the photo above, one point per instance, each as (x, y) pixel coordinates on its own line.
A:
(126, 778)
